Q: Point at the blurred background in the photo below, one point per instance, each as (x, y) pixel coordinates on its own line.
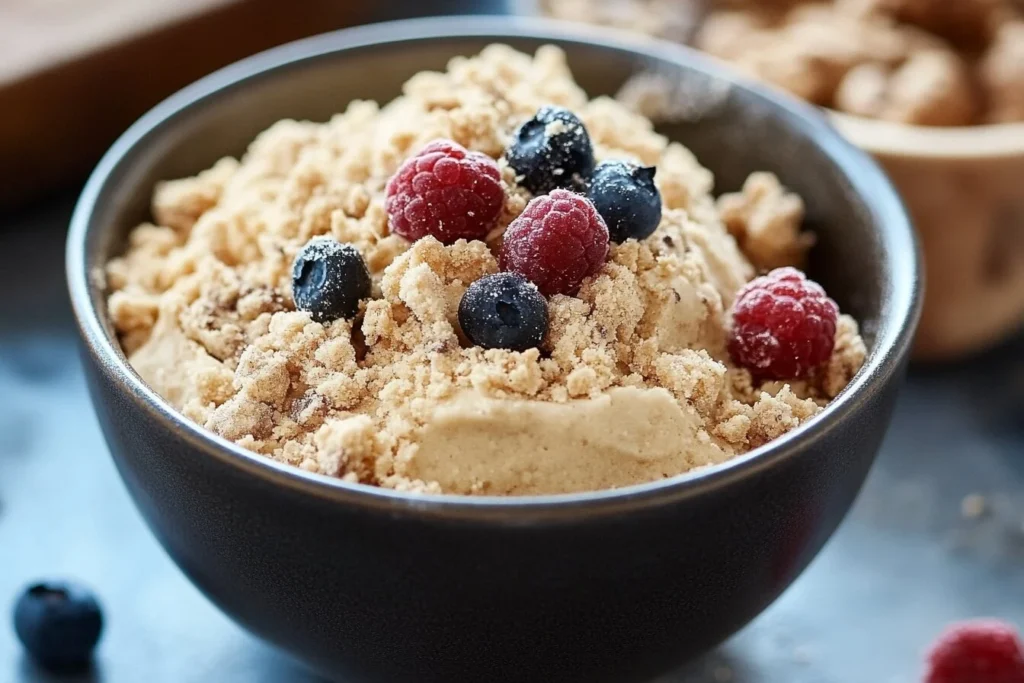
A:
(938, 533)
(75, 73)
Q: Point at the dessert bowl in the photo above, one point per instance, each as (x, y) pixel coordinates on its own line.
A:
(962, 189)
(367, 584)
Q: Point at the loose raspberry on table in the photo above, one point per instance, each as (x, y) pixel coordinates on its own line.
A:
(556, 242)
(783, 325)
(977, 651)
(445, 191)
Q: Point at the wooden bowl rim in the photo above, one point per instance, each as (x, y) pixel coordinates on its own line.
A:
(887, 138)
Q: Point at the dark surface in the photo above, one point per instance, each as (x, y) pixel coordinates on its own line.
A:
(905, 561)
(607, 586)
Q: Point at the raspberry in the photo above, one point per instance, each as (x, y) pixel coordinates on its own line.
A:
(980, 651)
(783, 325)
(445, 191)
(556, 242)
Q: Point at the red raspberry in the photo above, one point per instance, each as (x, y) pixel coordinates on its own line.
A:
(980, 651)
(556, 242)
(783, 325)
(445, 191)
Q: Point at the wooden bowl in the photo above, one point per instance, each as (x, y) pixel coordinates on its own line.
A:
(964, 188)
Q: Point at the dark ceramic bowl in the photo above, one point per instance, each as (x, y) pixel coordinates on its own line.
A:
(366, 584)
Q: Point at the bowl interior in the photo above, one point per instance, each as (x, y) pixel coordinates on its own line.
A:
(865, 255)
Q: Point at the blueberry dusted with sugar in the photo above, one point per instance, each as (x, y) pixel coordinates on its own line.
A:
(504, 311)
(627, 199)
(329, 279)
(551, 150)
(58, 623)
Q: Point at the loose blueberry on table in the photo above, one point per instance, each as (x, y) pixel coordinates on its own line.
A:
(58, 623)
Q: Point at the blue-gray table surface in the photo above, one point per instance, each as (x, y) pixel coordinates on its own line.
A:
(906, 560)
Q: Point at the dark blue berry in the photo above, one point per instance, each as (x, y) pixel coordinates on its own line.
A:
(329, 279)
(627, 199)
(504, 311)
(551, 150)
(58, 623)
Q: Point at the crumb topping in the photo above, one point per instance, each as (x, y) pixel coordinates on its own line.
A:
(632, 382)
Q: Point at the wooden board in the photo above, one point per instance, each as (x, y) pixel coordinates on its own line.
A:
(75, 73)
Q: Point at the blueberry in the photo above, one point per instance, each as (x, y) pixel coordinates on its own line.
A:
(551, 150)
(58, 623)
(329, 279)
(504, 311)
(627, 199)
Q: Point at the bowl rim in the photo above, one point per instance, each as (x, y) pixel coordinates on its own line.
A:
(962, 143)
(883, 364)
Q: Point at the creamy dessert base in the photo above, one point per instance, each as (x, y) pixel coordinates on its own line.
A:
(632, 383)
